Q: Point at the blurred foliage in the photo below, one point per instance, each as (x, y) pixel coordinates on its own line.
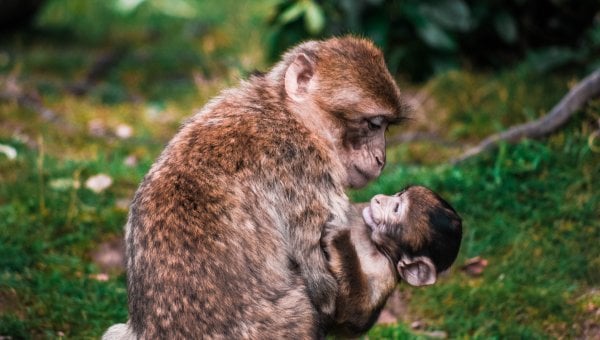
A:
(421, 38)
(18, 13)
(165, 48)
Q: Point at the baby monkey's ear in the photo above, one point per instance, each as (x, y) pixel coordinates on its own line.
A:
(417, 271)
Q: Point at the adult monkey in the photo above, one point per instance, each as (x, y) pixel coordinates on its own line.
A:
(223, 236)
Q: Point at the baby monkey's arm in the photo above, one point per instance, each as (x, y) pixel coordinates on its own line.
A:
(365, 277)
(413, 235)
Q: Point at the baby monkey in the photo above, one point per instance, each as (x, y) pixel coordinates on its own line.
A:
(413, 235)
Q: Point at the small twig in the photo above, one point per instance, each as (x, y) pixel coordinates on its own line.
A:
(573, 101)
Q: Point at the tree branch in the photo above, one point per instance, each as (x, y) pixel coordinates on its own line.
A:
(573, 101)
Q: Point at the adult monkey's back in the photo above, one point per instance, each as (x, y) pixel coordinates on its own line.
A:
(223, 237)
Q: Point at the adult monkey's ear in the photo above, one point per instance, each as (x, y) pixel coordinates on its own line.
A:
(417, 271)
(298, 77)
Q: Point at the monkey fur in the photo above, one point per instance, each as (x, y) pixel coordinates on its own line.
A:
(412, 236)
(223, 234)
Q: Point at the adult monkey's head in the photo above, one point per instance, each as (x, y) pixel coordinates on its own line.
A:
(341, 89)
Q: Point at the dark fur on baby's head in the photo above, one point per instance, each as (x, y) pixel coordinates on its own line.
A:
(429, 227)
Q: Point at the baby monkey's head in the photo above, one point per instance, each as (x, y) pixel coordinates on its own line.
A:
(417, 230)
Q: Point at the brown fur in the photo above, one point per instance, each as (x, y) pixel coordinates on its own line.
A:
(361, 295)
(223, 236)
(431, 228)
(364, 263)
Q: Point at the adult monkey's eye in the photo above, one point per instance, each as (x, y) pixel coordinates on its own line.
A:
(375, 123)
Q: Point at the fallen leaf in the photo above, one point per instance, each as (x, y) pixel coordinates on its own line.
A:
(474, 266)
(416, 325)
(435, 334)
(62, 184)
(130, 161)
(9, 151)
(102, 277)
(98, 183)
(123, 131)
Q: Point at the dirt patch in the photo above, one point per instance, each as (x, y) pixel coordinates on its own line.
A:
(10, 303)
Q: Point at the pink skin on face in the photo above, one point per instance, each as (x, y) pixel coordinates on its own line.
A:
(385, 210)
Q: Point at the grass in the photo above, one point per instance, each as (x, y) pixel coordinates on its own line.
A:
(532, 209)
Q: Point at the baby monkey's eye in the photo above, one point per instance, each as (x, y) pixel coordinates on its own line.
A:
(398, 194)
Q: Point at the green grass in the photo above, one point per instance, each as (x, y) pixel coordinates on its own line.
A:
(532, 209)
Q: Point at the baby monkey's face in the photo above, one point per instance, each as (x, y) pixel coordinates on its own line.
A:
(388, 217)
(386, 212)
(406, 220)
(417, 230)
